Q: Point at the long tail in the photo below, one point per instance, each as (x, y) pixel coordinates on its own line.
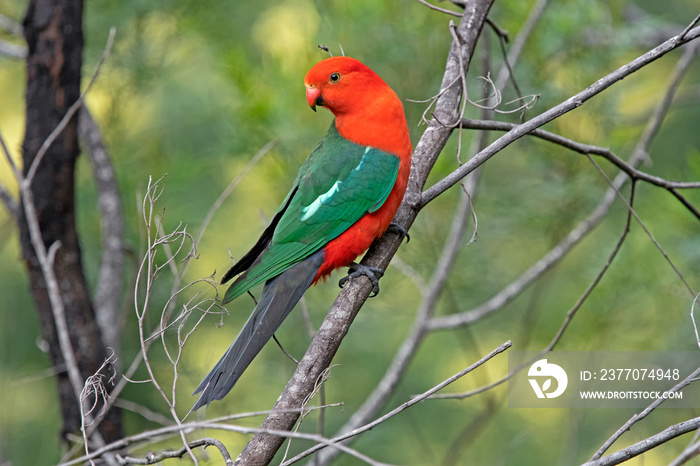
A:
(278, 298)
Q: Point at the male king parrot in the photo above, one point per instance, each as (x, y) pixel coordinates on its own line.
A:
(344, 196)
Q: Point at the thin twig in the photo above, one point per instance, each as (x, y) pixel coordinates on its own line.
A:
(404, 355)
(689, 27)
(147, 272)
(152, 458)
(690, 452)
(230, 188)
(501, 33)
(518, 45)
(108, 292)
(692, 319)
(565, 324)
(586, 149)
(647, 444)
(693, 377)
(441, 10)
(646, 230)
(639, 154)
(176, 289)
(555, 112)
(208, 425)
(404, 406)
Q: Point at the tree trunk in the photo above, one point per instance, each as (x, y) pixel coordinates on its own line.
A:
(53, 30)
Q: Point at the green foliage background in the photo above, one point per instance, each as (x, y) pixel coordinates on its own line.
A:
(194, 89)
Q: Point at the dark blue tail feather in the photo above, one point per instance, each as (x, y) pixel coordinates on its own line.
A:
(278, 298)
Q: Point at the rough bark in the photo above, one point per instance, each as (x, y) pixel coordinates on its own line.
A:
(53, 30)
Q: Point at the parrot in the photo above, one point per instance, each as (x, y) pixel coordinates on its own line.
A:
(344, 196)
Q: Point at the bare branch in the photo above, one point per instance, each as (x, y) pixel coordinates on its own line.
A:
(689, 27)
(556, 111)
(192, 426)
(404, 355)
(518, 45)
(500, 32)
(109, 293)
(441, 10)
(152, 458)
(353, 296)
(11, 26)
(647, 444)
(12, 50)
(585, 149)
(565, 324)
(692, 319)
(639, 154)
(693, 377)
(405, 405)
(692, 451)
(646, 230)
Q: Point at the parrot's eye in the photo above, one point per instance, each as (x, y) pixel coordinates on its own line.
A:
(335, 77)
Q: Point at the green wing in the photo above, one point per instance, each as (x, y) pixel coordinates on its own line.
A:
(338, 184)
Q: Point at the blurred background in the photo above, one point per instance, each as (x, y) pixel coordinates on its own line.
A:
(195, 89)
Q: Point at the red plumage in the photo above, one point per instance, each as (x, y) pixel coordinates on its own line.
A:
(369, 113)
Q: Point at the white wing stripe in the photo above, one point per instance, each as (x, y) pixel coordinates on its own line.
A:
(311, 209)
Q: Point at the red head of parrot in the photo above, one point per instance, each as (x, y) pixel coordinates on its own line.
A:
(367, 111)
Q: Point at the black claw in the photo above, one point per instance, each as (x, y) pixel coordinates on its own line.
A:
(357, 270)
(399, 230)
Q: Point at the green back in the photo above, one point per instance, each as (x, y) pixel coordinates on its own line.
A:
(338, 184)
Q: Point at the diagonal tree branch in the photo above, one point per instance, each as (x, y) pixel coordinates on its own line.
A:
(693, 377)
(550, 259)
(500, 349)
(430, 292)
(647, 444)
(109, 292)
(555, 112)
(585, 149)
(262, 447)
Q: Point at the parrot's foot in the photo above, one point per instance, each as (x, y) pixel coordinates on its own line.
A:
(399, 230)
(357, 270)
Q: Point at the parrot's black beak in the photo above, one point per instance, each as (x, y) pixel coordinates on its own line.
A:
(319, 101)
